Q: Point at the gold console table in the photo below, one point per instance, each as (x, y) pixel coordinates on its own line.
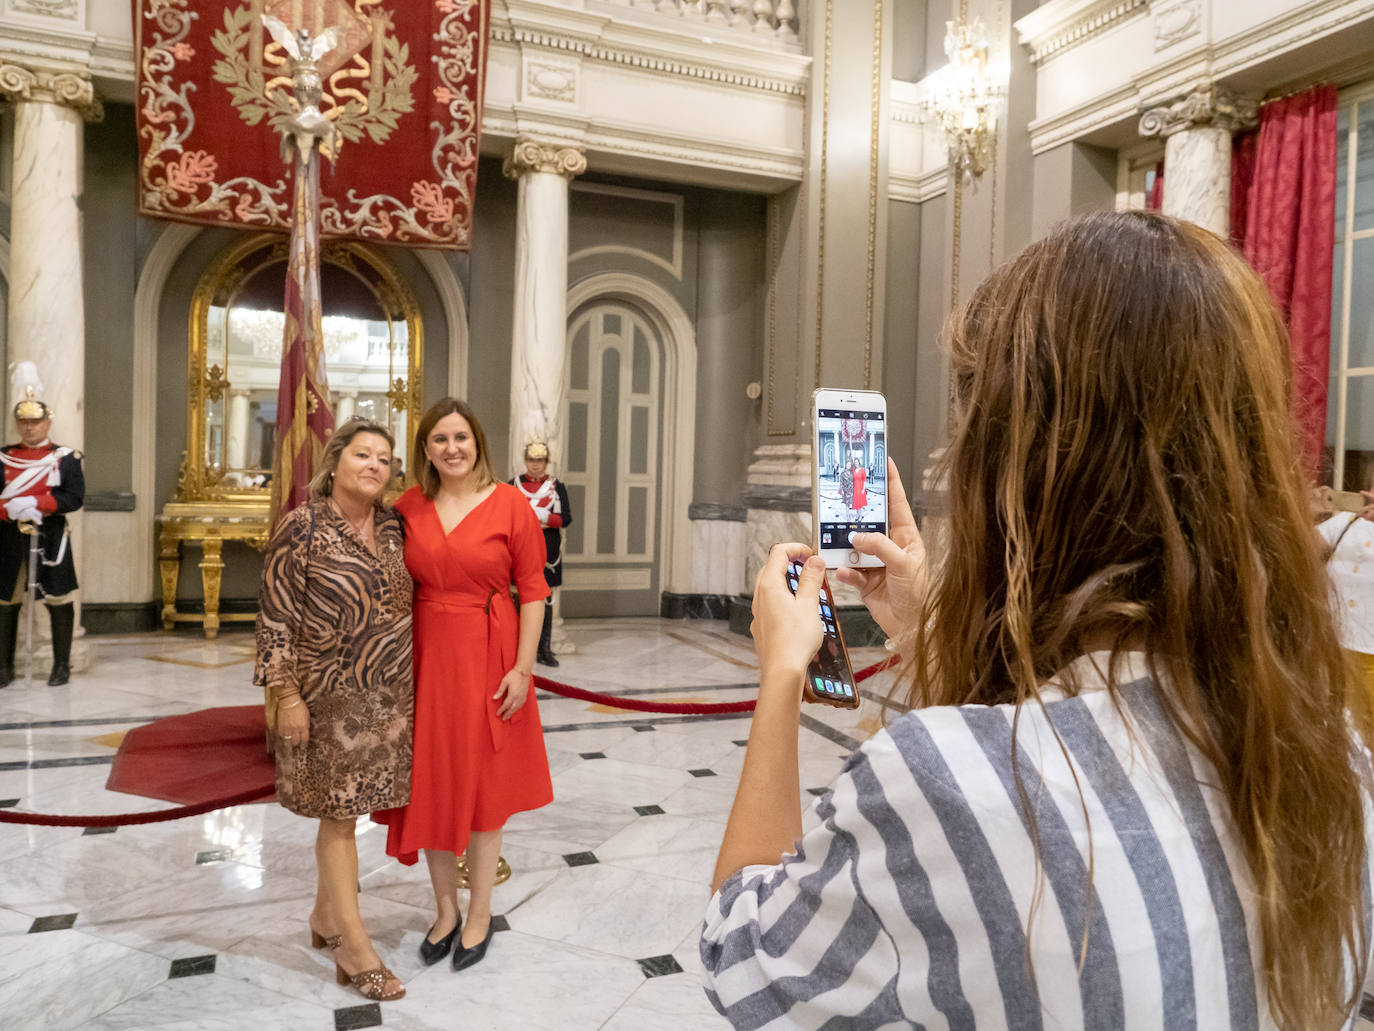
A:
(207, 524)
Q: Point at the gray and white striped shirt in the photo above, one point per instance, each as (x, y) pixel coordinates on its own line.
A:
(915, 896)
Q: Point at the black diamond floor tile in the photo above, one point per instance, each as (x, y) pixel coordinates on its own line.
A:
(580, 858)
(52, 923)
(742, 743)
(500, 923)
(592, 755)
(1367, 1007)
(8, 803)
(192, 965)
(641, 727)
(217, 855)
(349, 1018)
(98, 830)
(657, 966)
(649, 810)
(702, 773)
(817, 791)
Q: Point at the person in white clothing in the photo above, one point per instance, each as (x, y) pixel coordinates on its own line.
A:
(1349, 538)
(1132, 789)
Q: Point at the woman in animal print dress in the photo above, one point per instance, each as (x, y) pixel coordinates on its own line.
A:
(334, 656)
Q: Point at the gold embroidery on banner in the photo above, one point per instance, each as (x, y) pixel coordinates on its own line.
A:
(370, 85)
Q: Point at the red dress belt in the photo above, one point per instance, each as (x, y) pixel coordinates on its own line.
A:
(498, 615)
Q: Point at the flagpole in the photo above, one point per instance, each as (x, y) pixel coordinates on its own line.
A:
(305, 417)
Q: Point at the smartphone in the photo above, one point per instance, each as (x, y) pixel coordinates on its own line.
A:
(849, 474)
(829, 678)
(1343, 500)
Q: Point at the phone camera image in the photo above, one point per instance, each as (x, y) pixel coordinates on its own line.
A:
(851, 474)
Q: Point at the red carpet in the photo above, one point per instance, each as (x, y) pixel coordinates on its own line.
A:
(214, 753)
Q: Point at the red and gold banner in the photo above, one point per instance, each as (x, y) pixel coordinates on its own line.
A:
(304, 419)
(403, 88)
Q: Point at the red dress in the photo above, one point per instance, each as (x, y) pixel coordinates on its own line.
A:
(860, 492)
(472, 770)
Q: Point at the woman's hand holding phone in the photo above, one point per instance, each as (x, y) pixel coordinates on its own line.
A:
(787, 628)
(894, 591)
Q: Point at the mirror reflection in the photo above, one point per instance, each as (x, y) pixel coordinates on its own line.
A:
(367, 362)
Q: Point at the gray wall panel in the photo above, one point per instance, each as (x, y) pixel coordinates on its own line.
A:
(902, 334)
(110, 229)
(491, 303)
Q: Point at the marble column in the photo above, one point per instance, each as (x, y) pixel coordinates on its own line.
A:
(343, 411)
(539, 328)
(236, 439)
(1197, 134)
(47, 321)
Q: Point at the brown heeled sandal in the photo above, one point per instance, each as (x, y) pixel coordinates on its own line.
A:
(371, 984)
(319, 941)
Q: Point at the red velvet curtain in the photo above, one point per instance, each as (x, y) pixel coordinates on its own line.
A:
(1289, 206)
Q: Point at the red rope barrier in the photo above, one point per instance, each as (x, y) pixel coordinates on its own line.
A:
(253, 794)
(677, 708)
(126, 819)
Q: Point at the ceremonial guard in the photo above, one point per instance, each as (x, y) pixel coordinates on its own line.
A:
(42, 483)
(549, 499)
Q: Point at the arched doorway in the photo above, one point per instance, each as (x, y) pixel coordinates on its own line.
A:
(613, 414)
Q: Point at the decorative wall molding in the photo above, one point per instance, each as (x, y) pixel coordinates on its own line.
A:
(1058, 25)
(1175, 21)
(455, 307)
(1212, 105)
(18, 82)
(665, 56)
(674, 201)
(1122, 97)
(62, 10)
(552, 81)
(139, 560)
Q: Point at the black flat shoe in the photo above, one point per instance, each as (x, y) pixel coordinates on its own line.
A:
(547, 658)
(465, 957)
(61, 674)
(432, 952)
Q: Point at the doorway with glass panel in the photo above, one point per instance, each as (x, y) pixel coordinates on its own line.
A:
(614, 431)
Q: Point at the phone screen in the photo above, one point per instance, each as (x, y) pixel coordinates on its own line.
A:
(851, 474)
(829, 677)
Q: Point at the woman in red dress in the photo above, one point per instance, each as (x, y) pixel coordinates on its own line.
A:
(479, 748)
(860, 490)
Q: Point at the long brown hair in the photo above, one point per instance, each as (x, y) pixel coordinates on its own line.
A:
(1122, 474)
(425, 473)
(322, 483)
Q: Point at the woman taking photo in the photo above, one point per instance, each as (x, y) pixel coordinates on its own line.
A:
(479, 748)
(1133, 786)
(333, 640)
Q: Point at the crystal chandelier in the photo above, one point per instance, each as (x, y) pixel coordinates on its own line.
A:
(961, 98)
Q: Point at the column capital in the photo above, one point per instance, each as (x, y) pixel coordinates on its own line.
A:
(531, 155)
(1214, 106)
(70, 89)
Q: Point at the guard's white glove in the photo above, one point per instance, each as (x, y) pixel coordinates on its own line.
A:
(543, 515)
(23, 508)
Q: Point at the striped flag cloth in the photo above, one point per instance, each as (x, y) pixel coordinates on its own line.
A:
(304, 417)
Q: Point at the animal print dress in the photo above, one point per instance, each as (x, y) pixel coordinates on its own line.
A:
(334, 621)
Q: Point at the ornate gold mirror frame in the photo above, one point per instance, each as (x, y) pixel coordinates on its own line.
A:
(210, 383)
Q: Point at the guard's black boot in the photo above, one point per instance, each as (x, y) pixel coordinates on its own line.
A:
(63, 622)
(545, 655)
(9, 631)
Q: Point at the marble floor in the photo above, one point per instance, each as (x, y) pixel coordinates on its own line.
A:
(201, 923)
